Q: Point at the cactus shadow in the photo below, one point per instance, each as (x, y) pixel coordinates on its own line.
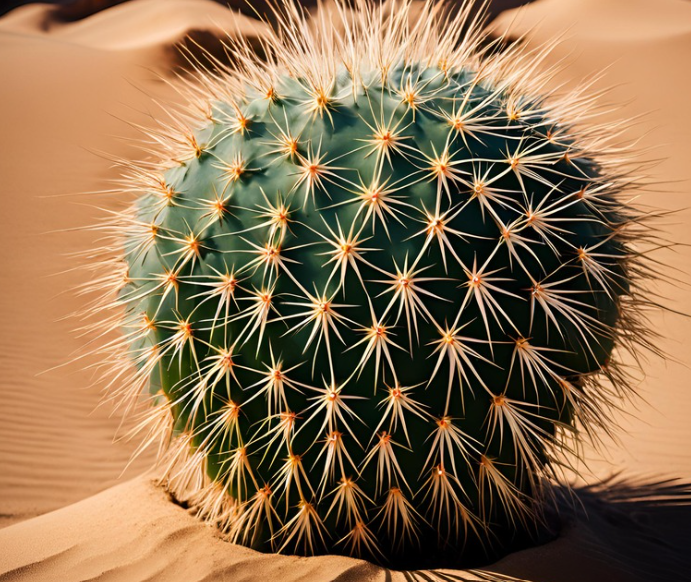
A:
(639, 529)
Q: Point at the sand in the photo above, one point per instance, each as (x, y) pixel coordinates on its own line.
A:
(66, 511)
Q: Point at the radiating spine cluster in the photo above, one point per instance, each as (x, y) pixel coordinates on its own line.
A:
(376, 284)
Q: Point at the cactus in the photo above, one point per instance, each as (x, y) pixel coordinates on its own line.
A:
(375, 285)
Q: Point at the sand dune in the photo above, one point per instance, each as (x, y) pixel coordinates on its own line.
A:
(66, 87)
(133, 532)
(141, 535)
(59, 101)
(158, 24)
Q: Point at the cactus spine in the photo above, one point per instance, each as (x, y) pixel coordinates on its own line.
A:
(376, 284)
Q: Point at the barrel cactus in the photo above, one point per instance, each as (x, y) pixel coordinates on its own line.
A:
(374, 283)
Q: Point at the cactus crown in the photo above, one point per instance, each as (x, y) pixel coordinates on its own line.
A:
(375, 284)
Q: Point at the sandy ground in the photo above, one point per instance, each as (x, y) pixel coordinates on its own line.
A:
(69, 514)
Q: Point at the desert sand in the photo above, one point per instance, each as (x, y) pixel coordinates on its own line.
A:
(70, 91)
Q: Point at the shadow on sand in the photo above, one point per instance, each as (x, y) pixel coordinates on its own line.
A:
(619, 529)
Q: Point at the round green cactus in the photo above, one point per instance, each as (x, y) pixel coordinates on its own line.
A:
(375, 290)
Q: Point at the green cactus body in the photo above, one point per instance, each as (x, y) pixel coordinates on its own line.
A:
(373, 307)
